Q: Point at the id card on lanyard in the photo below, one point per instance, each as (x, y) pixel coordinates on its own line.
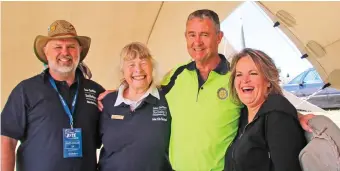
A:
(72, 139)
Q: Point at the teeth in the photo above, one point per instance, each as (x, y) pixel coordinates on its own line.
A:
(247, 88)
(64, 59)
(139, 77)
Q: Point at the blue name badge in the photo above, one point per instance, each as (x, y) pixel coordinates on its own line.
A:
(72, 142)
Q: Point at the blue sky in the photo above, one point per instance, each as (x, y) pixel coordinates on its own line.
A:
(260, 34)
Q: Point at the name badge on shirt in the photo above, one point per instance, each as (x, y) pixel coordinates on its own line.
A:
(72, 142)
(119, 117)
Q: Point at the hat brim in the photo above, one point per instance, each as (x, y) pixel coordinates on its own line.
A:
(40, 42)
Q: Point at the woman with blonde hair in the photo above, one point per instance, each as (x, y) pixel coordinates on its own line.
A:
(135, 123)
(269, 134)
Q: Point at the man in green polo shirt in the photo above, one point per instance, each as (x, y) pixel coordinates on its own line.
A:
(204, 119)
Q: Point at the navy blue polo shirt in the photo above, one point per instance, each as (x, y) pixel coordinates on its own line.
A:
(135, 140)
(35, 116)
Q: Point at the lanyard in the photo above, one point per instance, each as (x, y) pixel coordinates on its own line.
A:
(66, 108)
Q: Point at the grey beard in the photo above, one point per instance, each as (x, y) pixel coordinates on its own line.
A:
(63, 70)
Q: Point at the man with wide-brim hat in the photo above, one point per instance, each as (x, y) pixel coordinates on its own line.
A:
(60, 29)
(53, 114)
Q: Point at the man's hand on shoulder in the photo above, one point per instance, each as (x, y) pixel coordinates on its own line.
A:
(101, 97)
(304, 121)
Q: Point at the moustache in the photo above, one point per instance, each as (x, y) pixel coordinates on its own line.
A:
(66, 57)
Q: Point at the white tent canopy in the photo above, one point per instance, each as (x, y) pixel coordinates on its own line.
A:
(161, 25)
(315, 28)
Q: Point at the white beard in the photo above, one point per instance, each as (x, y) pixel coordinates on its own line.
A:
(63, 69)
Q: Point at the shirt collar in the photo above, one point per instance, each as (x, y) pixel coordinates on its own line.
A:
(222, 68)
(151, 95)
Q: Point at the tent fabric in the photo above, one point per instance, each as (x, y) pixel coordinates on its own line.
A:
(315, 30)
(161, 25)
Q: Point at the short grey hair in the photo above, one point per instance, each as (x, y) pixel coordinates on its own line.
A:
(206, 13)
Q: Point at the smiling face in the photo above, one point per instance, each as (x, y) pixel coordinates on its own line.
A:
(202, 38)
(138, 73)
(250, 83)
(62, 55)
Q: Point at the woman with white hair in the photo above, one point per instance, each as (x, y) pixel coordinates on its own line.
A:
(135, 123)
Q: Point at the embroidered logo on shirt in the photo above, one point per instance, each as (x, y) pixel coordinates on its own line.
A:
(222, 93)
(119, 117)
(90, 96)
(159, 113)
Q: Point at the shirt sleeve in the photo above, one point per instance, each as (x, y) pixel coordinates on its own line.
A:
(101, 89)
(99, 140)
(285, 141)
(13, 116)
(166, 79)
(169, 79)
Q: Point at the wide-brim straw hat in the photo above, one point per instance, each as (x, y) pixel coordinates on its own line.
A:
(60, 29)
